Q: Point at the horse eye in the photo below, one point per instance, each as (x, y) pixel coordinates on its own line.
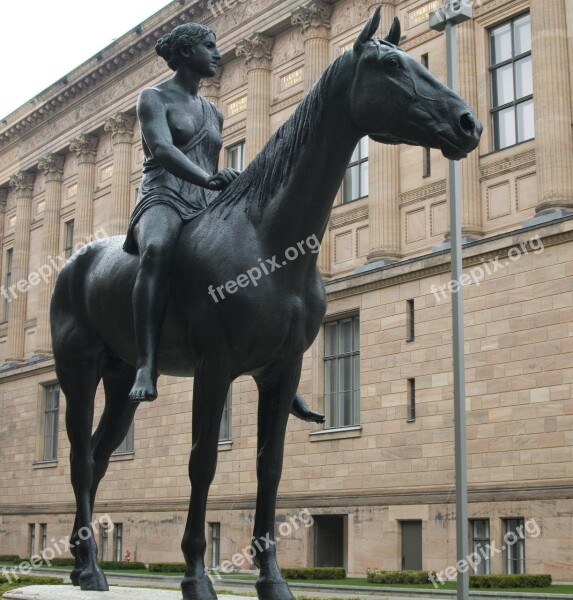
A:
(393, 63)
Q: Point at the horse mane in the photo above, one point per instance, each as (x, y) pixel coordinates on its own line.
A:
(268, 172)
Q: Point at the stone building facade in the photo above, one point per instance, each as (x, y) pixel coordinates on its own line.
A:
(379, 478)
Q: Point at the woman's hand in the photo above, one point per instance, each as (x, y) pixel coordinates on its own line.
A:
(222, 179)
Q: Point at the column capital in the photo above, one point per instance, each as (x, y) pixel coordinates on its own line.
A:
(85, 147)
(257, 50)
(53, 166)
(3, 198)
(211, 85)
(23, 182)
(121, 127)
(312, 17)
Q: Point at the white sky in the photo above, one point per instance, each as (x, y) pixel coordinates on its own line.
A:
(43, 40)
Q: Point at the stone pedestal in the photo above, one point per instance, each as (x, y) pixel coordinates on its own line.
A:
(68, 592)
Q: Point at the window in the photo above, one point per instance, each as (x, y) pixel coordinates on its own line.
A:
(8, 279)
(355, 184)
(126, 447)
(225, 429)
(104, 542)
(236, 156)
(43, 537)
(215, 534)
(51, 417)
(479, 530)
(68, 238)
(511, 82)
(426, 156)
(118, 542)
(31, 539)
(342, 372)
(410, 322)
(514, 542)
(411, 400)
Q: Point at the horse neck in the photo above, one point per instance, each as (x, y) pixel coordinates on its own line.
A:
(302, 207)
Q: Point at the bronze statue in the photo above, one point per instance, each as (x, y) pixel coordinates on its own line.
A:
(267, 318)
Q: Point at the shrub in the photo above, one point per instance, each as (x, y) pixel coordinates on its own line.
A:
(314, 573)
(67, 561)
(167, 567)
(30, 579)
(376, 576)
(119, 565)
(510, 581)
(10, 558)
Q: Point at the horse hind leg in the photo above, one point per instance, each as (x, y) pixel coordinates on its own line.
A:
(79, 360)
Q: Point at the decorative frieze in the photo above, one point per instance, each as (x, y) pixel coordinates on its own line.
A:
(509, 164)
(422, 193)
(360, 213)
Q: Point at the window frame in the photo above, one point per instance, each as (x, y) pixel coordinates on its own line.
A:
(68, 241)
(484, 566)
(357, 163)
(127, 445)
(215, 541)
(225, 428)
(492, 67)
(118, 542)
(511, 548)
(50, 418)
(8, 267)
(411, 397)
(236, 146)
(337, 420)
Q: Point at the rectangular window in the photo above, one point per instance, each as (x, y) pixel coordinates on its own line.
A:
(215, 535)
(511, 78)
(43, 536)
(31, 539)
(427, 162)
(410, 322)
(236, 156)
(479, 531)
(355, 184)
(411, 400)
(225, 429)
(68, 238)
(104, 542)
(8, 279)
(514, 542)
(118, 542)
(51, 417)
(342, 372)
(126, 447)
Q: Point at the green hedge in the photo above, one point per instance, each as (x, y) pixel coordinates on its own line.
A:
(67, 561)
(120, 565)
(510, 581)
(10, 558)
(376, 576)
(314, 573)
(31, 579)
(167, 567)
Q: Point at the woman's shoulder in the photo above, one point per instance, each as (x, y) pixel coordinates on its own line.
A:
(214, 108)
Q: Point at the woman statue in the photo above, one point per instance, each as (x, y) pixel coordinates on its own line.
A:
(181, 136)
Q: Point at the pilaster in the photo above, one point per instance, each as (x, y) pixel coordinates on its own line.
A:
(121, 127)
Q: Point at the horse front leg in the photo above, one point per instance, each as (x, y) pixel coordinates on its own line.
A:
(212, 380)
(275, 402)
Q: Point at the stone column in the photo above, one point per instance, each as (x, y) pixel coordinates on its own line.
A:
(52, 166)
(3, 199)
(384, 184)
(85, 147)
(24, 184)
(552, 101)
(121, 127)
(257, 51)
(313, 18)
(470, 174)
(209, 88)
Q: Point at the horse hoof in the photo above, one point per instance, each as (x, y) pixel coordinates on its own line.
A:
(93, 581)
(273, 590)
(75, 577)
(198, 588)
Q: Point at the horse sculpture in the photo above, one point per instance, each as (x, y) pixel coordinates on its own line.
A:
(226, 319)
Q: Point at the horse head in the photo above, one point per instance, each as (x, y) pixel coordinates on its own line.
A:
(395, 99)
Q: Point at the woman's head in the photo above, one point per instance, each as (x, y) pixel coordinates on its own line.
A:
(181, 43)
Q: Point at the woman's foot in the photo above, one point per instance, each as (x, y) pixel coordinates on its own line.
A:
(144, 388)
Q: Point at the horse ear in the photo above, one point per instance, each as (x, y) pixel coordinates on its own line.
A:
(368, 31)
(395, 32)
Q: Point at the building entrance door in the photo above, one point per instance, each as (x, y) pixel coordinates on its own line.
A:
(411, 545)
(329, 541)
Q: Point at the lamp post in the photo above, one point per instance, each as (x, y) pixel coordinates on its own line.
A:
(452, 13)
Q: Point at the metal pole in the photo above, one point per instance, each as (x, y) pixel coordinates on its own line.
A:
(458, 341)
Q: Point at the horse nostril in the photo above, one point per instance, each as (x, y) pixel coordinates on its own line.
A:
(469, 123)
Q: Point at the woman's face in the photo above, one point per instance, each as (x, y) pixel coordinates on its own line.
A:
(204, 57)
